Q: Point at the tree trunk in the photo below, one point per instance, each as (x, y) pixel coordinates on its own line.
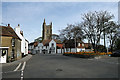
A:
(94, 47)
(70, 49)
(111, 48)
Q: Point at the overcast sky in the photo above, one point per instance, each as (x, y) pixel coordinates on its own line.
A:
(30, 15)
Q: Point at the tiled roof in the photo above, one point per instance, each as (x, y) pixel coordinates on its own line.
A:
(8, 31)
(35, 44)
(57, 41)
(46, 42)
(60, 45)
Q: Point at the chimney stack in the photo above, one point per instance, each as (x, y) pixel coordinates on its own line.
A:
(44, 21)
(18, 24)
(8, 25)
(51, 23)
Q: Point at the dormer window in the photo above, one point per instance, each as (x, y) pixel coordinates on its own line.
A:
(13, 42)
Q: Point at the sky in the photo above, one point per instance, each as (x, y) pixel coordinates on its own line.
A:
(30, 15)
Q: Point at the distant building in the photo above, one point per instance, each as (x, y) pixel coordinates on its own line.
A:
(79, 46)
(24, 42)
(39, 39)
(48, 43)
(31, 47)
(10, 47)
(55, 36)
(51, 46)
(47, 31)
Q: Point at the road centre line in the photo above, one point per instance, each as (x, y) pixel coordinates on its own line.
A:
(18, 67)
(22, 73)
(23, 66)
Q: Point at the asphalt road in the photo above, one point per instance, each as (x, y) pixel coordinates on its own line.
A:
(59, 66)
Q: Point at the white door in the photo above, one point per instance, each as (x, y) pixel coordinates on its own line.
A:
(3, 56)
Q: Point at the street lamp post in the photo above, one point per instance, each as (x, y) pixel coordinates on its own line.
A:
(75, 45)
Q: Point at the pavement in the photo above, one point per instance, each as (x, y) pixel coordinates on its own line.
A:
(26, 58)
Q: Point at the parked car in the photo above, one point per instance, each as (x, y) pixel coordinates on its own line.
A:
(33, 52)
(116, 53)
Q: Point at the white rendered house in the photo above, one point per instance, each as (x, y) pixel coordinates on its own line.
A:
(40, 47)
(24, 42)
(52, 47)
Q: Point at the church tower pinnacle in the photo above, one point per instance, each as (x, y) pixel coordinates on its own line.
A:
(47, 31)
(44, 20)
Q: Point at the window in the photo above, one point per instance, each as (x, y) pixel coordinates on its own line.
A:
(82, 44)
(47, 31)
(52, 44)
(13, 42)
(12, 55)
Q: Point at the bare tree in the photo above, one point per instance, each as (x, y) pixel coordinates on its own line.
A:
(112, 33)
(94, 24)
(67, 32)
(72, 32)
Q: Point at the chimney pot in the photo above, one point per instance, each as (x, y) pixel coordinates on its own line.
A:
(8, 25)
(18, 24)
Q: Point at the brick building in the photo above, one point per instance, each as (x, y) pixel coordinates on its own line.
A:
(10, 47)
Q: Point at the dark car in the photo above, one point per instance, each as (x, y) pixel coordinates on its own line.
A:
(116, 53)
(33, 52)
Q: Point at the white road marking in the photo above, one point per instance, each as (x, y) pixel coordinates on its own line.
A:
(22, 73)
(21, 78)
(23, 66)
(18, 67)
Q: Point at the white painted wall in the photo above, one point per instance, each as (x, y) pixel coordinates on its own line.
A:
(26, 47)
(50, 45)
(80, 49)
(40, 47)
(60, 51)
(68, 49)
(17, 30)
(74, 50)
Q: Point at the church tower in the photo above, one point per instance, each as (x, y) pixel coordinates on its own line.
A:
(47, 31)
